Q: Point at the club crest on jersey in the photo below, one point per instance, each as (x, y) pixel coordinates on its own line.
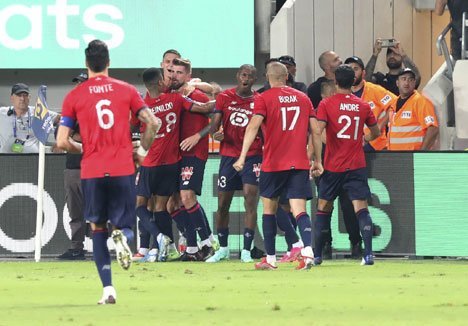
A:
(406, 115)
(186, 173)
(256, 169)
(252, 105)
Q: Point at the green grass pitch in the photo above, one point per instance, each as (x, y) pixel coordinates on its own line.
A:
(340, 292)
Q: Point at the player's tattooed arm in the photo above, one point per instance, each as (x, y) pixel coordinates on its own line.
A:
(152, 127)
(317, 128)
(215, 131)
(190, 142)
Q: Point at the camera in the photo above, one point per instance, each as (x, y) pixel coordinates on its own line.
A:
(388, 42)
(10, 111)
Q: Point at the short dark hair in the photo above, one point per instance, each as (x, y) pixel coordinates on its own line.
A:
(344, 76)
(152, 76)
(173, 51)
(97, 55)
(247, 67)
(270, 61)
(184, 63)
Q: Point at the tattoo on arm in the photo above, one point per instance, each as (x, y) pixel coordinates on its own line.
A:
(370, 67)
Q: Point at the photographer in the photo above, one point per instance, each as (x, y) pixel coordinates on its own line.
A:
(396, 60)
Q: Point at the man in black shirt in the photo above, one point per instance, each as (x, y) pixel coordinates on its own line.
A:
(456, 8)
(396, 61)
(74, 196)
(328, 62)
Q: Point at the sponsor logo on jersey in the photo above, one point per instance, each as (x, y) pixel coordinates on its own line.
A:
(386, 99)
(429, 119)
(186, 173)
(406, 115)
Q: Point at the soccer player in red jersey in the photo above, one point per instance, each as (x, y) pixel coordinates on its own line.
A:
(102, 106)
(234, 109)
(344, 115)
(159, 170)
(194, 150)
(285, 116)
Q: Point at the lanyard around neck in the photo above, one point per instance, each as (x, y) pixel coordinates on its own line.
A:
(15, 128)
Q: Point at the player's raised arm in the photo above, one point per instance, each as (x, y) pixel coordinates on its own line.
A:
(152, 127)
(250, 133)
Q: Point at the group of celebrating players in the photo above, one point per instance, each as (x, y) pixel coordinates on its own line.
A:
(277, 162)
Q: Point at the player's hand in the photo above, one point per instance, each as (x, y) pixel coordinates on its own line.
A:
(188, 143)
(316, 170)
(239, 164)
(188, 90)
(219, 136)
(377, 46)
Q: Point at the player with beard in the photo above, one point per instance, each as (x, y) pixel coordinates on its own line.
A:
(234, 108)
(344, 116)
(396, 61)
(102, 106)
(194, 149)
(159, 170)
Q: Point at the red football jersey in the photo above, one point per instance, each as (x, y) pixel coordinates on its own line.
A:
(193, 123)
(345, 116)
(102, 107)
(285, 128)
(168, 107)
(237, 112)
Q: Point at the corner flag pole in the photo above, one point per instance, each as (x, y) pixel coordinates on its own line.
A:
(42, 126)
(40, 202)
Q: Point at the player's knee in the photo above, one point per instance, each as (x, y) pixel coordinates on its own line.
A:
(189, 199)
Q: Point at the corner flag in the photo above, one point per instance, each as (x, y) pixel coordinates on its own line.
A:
(42, 121)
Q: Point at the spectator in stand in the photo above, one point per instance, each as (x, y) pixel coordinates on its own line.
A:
(328, 62)
(456, 8)
(412, 120)
(266, 85)
(290, 64)
(74, 194)
(16, 134)
(396, 61)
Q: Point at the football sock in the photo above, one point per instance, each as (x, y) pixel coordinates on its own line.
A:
(248, 238)
(305, 228)
(207, 224)
(285, 225)
(180, 218)
(190, 233)
(293, 220)
(223, 235)
(164, 220)
(269, 233)
(101, 256)
(144, 236)
(322, 227)
(365, 225)
(145, 217)
(198, 219)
